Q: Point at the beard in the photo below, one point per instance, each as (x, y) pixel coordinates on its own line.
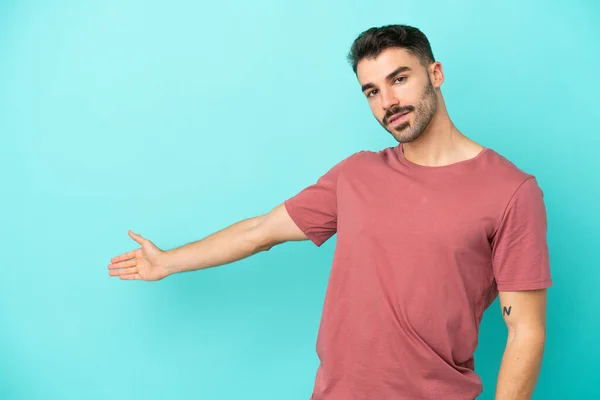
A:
(424, 112)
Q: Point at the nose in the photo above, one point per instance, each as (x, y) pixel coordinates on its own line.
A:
(388, 100)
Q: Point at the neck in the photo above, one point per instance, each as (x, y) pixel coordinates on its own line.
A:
(441, 143)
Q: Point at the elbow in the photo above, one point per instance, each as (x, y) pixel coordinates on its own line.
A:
(532, 334)
(263, 243)
(258, 237)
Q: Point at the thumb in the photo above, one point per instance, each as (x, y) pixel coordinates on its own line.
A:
(136, 237)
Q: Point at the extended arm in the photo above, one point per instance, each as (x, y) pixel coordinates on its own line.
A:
(237, 241)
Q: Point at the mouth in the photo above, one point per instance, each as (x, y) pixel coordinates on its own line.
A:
(397, 117)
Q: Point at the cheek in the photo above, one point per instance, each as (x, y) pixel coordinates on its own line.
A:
(376, 109)
(407, 94)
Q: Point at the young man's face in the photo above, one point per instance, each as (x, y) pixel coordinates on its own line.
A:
(399, 91)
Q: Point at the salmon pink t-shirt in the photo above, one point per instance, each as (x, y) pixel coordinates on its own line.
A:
(421, 253)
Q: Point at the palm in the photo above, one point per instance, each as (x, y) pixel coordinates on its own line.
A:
(144, 263)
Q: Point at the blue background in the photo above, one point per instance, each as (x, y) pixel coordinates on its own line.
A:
(176, 119)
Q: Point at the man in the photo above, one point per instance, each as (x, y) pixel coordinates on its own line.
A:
(429, 233)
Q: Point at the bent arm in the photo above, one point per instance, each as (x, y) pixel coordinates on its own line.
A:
(236, 242)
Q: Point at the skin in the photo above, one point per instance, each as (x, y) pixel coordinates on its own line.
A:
(428, 135)
(522, 359)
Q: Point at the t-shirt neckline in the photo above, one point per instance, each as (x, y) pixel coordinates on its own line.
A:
(404, 160)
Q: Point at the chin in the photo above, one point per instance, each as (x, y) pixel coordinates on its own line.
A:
(406, 136)
(401, 130)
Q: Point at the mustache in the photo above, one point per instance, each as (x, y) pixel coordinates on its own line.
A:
(396, 110)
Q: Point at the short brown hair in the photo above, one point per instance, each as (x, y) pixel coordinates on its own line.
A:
(373, 41)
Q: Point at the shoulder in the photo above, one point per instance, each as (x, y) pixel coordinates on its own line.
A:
(341, 166)
(364, 158)
(510, 187)
(504, 173)
(363, 163)
(353, 160)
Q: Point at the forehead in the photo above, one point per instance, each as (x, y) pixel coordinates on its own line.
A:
(376, 69)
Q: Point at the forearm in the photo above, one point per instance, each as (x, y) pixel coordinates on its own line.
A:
(233, 243)
(520, 366)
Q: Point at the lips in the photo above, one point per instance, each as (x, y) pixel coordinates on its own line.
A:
(396, 116)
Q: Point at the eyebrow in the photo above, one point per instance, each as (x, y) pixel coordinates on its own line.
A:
(387, 78)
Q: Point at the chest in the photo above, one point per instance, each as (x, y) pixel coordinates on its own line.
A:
(399, 212)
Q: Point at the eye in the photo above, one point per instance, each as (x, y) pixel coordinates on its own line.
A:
(372, 93)
(400, 79)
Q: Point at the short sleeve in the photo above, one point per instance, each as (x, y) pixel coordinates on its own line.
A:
(520, 256)
(314, 209)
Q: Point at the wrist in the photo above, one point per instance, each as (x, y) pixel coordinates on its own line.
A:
(167, 262)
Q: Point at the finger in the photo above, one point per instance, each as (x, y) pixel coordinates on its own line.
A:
(126, 256)
(124, 271)
(130, 277)
(136, 237)
(123, 264)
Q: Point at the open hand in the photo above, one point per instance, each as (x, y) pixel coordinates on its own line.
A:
(146, 263)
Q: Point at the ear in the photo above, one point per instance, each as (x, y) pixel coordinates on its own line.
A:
(436, 74)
